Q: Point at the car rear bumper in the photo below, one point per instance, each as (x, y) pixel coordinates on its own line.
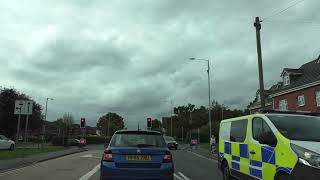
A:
(173, 146)
(109, 171)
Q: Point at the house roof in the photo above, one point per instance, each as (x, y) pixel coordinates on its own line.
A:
(310, 73)
(292, 71)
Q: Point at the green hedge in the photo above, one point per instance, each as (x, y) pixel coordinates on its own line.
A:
(58, 140)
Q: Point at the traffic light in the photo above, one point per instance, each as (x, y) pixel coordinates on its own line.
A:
(82, 123)
(149, 122)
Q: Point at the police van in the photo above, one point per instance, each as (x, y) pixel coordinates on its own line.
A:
(270, 146)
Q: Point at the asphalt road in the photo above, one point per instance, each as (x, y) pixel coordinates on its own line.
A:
(189, 165)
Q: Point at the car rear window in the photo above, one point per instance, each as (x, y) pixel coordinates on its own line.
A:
(168, 138)
(134, 139)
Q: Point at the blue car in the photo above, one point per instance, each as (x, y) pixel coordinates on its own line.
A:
(137, 155)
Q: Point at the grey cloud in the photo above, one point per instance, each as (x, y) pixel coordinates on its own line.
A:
(131, 57)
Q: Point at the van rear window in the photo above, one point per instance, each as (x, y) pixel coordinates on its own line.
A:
(235, 131)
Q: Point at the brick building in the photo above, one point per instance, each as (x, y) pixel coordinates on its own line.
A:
(299, 90)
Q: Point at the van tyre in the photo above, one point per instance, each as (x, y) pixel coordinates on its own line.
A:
(226, 173)
(283, 177)
(11, 147)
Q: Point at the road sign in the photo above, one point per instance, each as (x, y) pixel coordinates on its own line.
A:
(19, 107)
(23, 107)
(28, 107)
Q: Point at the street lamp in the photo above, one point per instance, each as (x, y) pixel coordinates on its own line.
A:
(208, 71)
(45, 115)
(171, 111)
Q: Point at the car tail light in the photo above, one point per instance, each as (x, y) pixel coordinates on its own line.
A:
(167, 157)
(107, 156)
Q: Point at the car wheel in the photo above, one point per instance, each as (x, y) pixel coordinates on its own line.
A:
(283, 177)
(226, 173)
(11, 147)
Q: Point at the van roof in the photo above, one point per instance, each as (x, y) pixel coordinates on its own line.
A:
(243, 117)
(147, 132)
(275, 113)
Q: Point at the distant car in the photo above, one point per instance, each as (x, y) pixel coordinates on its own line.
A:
(6, 143)
(83, 142)
(171, 143)
(73, 142)
(137, 155)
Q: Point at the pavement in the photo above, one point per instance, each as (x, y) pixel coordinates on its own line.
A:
(189, 164)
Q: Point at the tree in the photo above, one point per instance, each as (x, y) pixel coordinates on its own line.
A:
(156, 125)
(183, 114)
(68, 120)
(109, 123)
(8, 120)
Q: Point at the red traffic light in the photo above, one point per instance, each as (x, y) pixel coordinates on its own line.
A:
(149, 122)
(83, 122)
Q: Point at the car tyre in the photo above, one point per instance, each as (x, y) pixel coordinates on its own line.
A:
(11, 147)
(283, 177)
(226, 173)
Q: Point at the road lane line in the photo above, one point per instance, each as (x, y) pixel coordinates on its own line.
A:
(176, 176)
(213, 160)
(185, 177)
(90, 173)
(16, 171)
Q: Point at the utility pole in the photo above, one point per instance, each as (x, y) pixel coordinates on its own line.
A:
(190, 123)
(257, 25)
(26, 129)
(171, 116)
(182, 133)
(18, 127)
(109, 124)
(222, 107)
(209, 87)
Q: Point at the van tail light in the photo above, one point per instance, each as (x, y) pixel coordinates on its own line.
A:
(167, 157)
(107, 156)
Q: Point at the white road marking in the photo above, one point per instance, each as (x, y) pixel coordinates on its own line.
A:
(185, 177)
(15, 171)
(87, 156)
(177, 177)
(213, 160)
(90, 173)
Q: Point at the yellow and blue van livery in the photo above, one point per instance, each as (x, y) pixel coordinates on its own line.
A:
(270, 146)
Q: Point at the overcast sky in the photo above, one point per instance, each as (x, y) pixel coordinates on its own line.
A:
(131, 56)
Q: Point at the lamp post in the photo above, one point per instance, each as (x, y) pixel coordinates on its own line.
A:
(209, 90)
(171, 112)
(45, 116)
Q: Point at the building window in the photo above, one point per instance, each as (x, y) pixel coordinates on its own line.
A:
(286, 79)
(318, 98)
(258, 98)
(283, 105)
(301, 101)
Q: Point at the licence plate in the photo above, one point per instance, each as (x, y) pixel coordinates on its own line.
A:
(138, 157)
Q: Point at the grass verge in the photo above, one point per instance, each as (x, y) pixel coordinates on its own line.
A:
(205, 146)
(24, 152)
